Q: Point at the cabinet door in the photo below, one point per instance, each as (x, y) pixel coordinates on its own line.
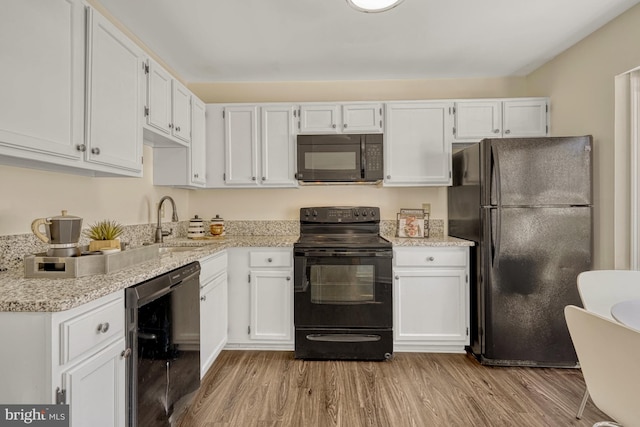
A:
(159, 98)
(430, 306)
(525, 118)
(197, 157)
(114, 136)
(362, 118)
(181, 112)
(271, 305)
(213, 321)
(241, 145)
(418, 144)
(42, 74)
(96, 389)
(475, 120)
(278, 146)
(320, 118)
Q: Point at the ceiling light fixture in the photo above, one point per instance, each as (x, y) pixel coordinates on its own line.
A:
(373, 6)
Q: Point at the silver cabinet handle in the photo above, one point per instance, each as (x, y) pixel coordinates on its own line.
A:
(203, 298)
(253, 178)
(177, 128)
(288, 277)
(430, 258)
(264, 179)
(397, 277)
(507, 131)
(388, 176)
(170, 125)
(496, 131)
(345, 125)
(333, 125)
(81, 147)
(195, 175)
(95, 151)
(103, 327)
(269, 259)
(125, 353)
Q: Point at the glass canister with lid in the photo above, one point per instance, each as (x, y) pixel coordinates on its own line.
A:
(217, 226)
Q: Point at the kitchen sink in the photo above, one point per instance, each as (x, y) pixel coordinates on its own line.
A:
(172, 249)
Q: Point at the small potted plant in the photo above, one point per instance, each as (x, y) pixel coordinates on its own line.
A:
(104, 235)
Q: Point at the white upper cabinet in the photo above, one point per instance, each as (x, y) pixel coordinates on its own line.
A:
(341, 118)
(42, 95)
(197, 157)
(259, 145)
(277, 137)
(525, 118)
(241, 145)
(500, 118)
(362, 118)
(418, 143)
(181, 98)
(475, 120)
(321, 118)
(158, 109)
(114, 94)
(168, 108)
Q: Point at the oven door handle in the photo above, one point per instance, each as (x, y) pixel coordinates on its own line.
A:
(343, 337)
(385, 254)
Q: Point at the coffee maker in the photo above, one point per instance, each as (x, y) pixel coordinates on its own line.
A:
(62, 234)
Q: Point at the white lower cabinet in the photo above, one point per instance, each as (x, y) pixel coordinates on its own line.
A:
(75, 356)
(213, 309)
(261, 298)
(431, 299)
(95, 388)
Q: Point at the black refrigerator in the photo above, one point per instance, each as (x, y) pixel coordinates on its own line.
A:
(527, 204)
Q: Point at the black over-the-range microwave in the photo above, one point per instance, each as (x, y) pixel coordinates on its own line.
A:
(344, 158)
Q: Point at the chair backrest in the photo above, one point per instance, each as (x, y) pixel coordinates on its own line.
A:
(601, 289)
(608, 354)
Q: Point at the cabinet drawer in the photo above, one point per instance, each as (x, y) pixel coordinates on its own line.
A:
(270, 259)
(212, 266)
(91, 330)
(432, 257)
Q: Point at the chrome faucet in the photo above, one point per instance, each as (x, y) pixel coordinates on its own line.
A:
(159, 232)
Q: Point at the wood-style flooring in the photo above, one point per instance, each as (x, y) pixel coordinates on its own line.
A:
(261, 388)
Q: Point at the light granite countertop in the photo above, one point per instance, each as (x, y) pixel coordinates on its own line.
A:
(18, 293)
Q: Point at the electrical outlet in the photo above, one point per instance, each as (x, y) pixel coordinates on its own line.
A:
(426, 207)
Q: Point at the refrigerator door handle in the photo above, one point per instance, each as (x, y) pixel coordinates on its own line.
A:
(495, 236)
(495, 177)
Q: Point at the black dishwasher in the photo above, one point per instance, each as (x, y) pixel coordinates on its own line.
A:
(163, 332)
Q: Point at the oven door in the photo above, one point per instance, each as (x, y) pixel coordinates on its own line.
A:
(347, 289)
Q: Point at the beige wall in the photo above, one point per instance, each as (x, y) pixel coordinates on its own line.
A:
(580, 83)
(28, 194)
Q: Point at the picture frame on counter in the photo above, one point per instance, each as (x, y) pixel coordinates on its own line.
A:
(411, 223)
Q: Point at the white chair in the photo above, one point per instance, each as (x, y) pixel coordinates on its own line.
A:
(599, 290)
(608, 355)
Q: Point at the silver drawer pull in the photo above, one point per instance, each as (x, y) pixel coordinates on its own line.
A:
(269, 259)
(430, 258)
(125, 353)
(103, 327)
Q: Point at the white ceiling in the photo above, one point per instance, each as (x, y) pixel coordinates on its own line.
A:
(296, 40)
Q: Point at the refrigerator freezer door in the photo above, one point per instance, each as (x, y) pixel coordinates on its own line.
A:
(531, 260)
(538, 171)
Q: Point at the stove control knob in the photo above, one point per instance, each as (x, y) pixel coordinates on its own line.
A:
(315, 212)
(373, 213)
(356, 213)
(307, 212)
(364, 213)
